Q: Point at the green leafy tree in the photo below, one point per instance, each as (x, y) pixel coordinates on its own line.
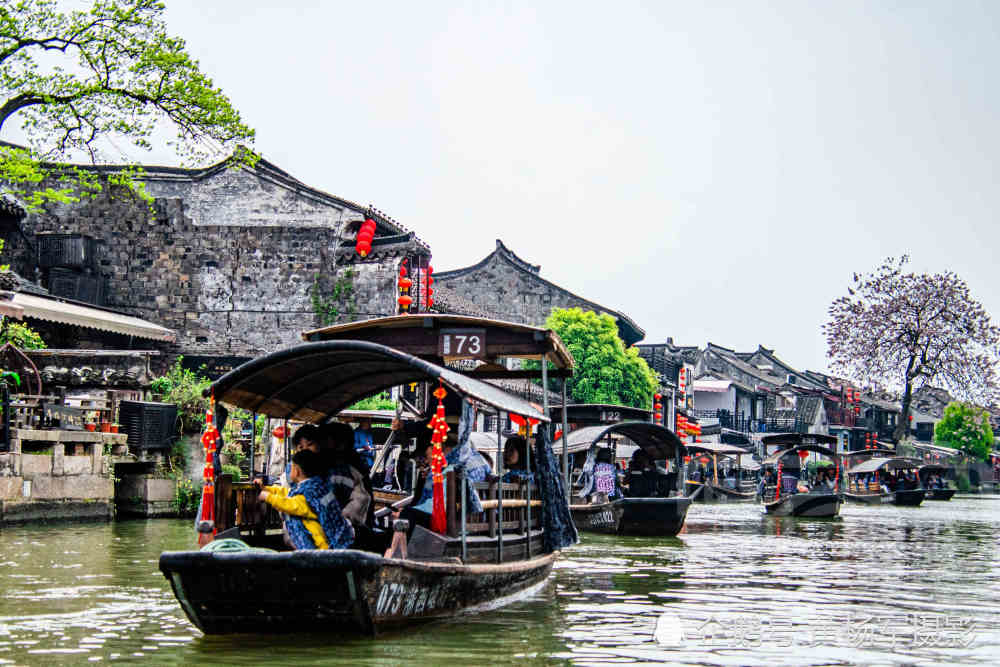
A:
(75, 80)
(965, 427)
(606, 372)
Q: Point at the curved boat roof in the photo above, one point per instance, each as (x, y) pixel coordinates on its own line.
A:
(819, 449)
(935, 467)
(798, 438)
(418, 335)
(657, 441)
(599, 413)
(312, 381)
(895, 463)
(872, 452)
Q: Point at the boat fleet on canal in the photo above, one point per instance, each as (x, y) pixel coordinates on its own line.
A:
(491, 535)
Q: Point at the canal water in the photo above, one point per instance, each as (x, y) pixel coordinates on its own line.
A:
(879, 585)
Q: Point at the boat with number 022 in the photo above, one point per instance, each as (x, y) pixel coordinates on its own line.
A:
(495, 551)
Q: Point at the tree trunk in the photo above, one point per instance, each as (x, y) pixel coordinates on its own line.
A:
(903, 426)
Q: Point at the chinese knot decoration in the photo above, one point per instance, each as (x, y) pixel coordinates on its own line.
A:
(365, 236)
(405, 284)
(206, 522)
(439, 432)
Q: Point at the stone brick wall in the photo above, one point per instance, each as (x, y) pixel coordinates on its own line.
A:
(228, 257)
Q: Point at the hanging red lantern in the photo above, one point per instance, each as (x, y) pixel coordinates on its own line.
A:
(657, 396)
(366, 235)
(658, 416)
(405, 283)
(657, 406)
(803, 455)
(687, 459)
(909, 417)
(705, 460)
(404, 301)
(279, 432)
(430, 303)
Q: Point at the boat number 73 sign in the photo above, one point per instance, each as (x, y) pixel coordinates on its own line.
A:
(464, 343)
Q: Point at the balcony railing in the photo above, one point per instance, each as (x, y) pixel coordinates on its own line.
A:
(744, 424)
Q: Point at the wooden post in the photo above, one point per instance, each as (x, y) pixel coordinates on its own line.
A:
(492, 513)
(465, 494)
(499, 510)
(452, 495)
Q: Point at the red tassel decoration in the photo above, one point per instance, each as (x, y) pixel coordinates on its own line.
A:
(439, 428)
(206, 522)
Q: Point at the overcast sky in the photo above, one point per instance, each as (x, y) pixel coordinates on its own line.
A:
(715, 171)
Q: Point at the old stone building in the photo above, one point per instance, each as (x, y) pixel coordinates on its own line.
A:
(237, 260)
(506, 287)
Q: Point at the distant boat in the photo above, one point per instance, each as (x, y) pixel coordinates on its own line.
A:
(924, 474)
(821, 502)
(872, 493)
(659, 515)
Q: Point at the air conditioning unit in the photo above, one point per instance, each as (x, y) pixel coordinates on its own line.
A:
(149, 425)
(73, 251)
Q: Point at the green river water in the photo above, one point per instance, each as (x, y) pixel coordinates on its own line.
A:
(879, 585)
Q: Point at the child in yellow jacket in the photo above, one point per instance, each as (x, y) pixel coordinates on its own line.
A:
(314, 517)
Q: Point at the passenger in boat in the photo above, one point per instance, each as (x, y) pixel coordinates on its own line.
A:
(515, 458)
(641, 475)
(344, 471)
(605, 488)
(364, 443)
(314, 518)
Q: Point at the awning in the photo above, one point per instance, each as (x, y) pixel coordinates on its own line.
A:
(657, 441)
(712, 386)
(64, 312)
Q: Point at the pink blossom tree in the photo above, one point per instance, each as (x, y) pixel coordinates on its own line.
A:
(906, 330)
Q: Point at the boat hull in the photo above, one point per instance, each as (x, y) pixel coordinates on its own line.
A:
(336, 591)
(651, 517)
(817, 505)
(722, 494)
(911, 498)
(939, 494)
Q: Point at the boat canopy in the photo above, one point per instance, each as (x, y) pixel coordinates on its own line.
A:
(871, 465)
(778, 455)
(882, 453)
(799, 439)
(934, 468)
(599, 413)
(421, 336)
(715, 448)
(657, 441)
(313, 381)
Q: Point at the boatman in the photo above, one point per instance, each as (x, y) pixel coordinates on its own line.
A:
(364, 443)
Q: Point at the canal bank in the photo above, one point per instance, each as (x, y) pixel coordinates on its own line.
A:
(879, 585)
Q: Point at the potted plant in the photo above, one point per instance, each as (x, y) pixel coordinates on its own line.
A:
(105, 427)
(115, 427)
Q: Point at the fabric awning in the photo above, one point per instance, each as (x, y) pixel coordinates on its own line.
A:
(712, 386)
(64, 312)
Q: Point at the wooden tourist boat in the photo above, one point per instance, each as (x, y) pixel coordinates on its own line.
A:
(713, 490)
(656, 516)
(783, 500)
(487, 553)
(872, 493)
(925, 472)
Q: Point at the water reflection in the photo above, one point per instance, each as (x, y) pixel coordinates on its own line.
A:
(884, 584)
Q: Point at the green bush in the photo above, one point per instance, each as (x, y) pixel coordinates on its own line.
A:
(230, 469)
(183, 387)
(382, 401)
(187, 496)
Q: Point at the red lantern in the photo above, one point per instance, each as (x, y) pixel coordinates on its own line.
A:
(803, 454)
(705, 460)
(657, 406)
(909, 417)
(279, 432)
(657, 396)
(687, 459)
(365, 237)
(405, 283)
(658, 416)
(405, 301)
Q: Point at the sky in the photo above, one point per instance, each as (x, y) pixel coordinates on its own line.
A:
(717, 171)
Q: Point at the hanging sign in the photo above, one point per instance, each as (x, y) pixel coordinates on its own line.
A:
(462, 343)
